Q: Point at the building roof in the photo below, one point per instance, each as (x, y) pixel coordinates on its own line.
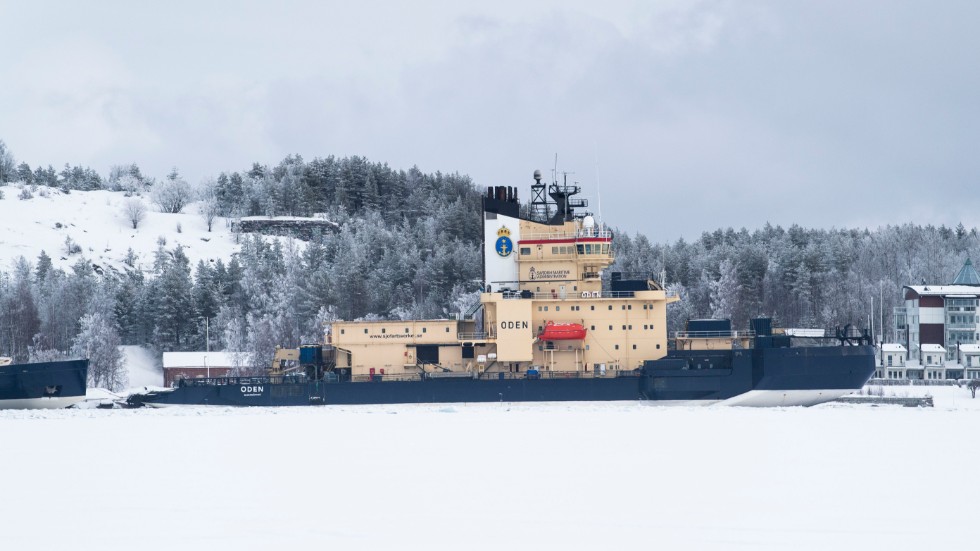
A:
(891, 347)
(970, 348)
(204, 359)
(932, 348)
(967, 275)
(945, 290)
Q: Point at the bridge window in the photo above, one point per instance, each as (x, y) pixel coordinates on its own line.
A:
(525, 251)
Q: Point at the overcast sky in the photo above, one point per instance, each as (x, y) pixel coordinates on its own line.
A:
(690, 114)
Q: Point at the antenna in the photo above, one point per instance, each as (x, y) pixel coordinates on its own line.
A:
(598, 194)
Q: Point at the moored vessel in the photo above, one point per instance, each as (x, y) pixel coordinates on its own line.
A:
(42, 385)
(551, 325)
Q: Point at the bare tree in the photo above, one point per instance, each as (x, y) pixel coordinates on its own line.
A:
(8, 171)
(172, 194)
(135, 211)
(208, 195)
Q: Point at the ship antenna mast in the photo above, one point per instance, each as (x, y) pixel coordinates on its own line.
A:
(598, 188)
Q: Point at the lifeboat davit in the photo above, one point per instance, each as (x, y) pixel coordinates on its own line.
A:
(562, 332)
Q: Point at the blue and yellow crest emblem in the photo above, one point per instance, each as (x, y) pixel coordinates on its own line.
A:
(504, 245)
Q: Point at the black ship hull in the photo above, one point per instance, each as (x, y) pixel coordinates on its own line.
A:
(763, 377)
(44, 385)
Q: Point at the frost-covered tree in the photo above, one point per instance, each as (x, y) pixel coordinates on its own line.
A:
(99, 342)
(725, 291)
(209, 207)
(174, 304)
(134, 210)
(8, 171)
(172, 194)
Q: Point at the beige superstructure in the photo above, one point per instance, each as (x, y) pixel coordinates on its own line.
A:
(536, 272)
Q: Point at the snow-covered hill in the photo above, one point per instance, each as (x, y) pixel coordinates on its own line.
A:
(96, 221)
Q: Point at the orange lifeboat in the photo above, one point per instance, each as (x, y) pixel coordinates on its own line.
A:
(562, 332)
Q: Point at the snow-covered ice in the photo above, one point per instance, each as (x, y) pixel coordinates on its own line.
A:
(493, 476)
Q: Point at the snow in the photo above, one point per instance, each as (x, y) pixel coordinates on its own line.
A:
(890, 347)
(203, 359)
(141, 367)
(963, 291)
(95, 221)
(932, 348)
(493, 476)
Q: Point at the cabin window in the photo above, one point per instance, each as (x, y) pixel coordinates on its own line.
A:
(644, 327)
(341, 331)
(592, 307)
(365, 331)
(447, 330)
(658, 347)
(382, 330)
(593, 328)
(624, 307)
(581, 249)
(610, 327)
(610, 306)
(525, 251)
(557, 308)
(624, 328)
(617, 347)
(588, 248)
(554, 250)
(424, 329)
(634, 347)
(406, 330)
(629, 306)
(586, 347)
(630, 327)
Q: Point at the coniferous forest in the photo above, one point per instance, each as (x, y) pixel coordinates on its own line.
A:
(407, 245)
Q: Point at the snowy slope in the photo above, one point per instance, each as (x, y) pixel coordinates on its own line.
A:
(95, 220)
(493, 476)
